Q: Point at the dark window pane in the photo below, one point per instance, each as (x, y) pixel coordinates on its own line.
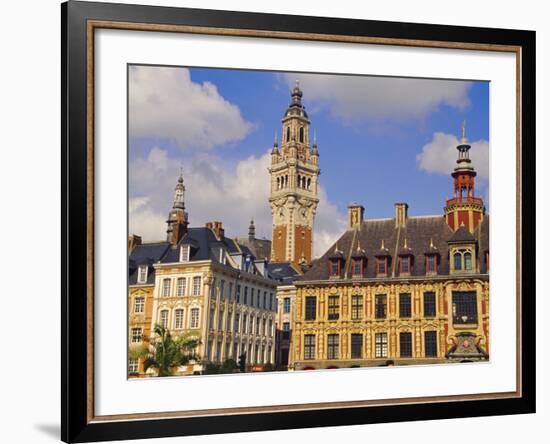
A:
(286, 305)
(458, 261)
(311, 308)
(334, 267)
(430, 344)
(381, 265)
(356, 346)
(431, 264)
(405, 344)
(429, 304)
(405, 264)
(464, 307)
(405, 305)
(380, 308)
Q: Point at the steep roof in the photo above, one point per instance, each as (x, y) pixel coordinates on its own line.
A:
(283, 272)
(261, 248)
(146, 254)
(377, 237)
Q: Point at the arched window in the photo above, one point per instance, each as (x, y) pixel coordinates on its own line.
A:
(299, 181)
(278, 183)
(457, 261)
(309, 184)
(287, 133)
(467, 261)
(286, 181)
(302, 134)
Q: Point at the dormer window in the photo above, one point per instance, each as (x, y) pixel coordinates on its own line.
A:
(382, 265)
(462, 261)
(405, 263)
(142, 274)
(431, 264)
(335, 267)
(357, 266)
(184, 253)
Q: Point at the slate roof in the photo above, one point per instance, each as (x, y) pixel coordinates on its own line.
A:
(260, 248)
(146, 254)
(424, 234)
(283, 272)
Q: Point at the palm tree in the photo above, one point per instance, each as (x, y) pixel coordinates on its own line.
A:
(166, 352)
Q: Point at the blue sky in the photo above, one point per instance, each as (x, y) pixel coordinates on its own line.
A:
(381, 140)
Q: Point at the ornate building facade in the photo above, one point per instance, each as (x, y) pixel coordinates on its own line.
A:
(401, 290)
(294, 186)
(204, 285)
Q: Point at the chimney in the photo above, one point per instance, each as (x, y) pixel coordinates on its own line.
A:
(355, 215)
(217, 228)
(133, 241)
(401, 214)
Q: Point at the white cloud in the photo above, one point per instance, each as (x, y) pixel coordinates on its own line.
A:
(215, 190)
(357, 98)
(164, 102)
(439, 155)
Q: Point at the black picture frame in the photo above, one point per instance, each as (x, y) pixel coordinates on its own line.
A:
(76, 423)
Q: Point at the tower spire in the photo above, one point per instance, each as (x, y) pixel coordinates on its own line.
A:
(464, 207)
(251, 230)
(177, 218)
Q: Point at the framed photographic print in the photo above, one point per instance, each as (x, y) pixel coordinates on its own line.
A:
(277, 221)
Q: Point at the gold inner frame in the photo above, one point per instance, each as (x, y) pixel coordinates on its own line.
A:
(92, 25)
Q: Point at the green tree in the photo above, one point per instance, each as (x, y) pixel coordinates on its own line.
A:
(166, 352)
(228, 366)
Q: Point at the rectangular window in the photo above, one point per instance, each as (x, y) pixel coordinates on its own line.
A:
(464, 307)
(194, 319)
(333, 308)
(164, 318)
(245, 301)
(381, 265)
(335, 267)
(236, 322)
(286, 305)
(309, 346)
(178, 319)
(429, 304)
(381, 345)
(244, 323)
(257, 326)
(181, 287)
(196, 286)
(220, 320)
(251, 329)
(430, 344)
(133, 366)
(405, 264)
(430, 264)
(311, 308)
(252, 297)
(286, 330)
(270, 332)
(380, 306)
(356, 346)
(212, 318)
(405, 305)
(136, 335)
(405, 344)
(356, 307)
(142, 274)
(230, 291)
(139, 305)
(271, 301)
(333, 342)
(213, 289)
(357, 267)
(166, 287)
(265, 300)
(238, 295)
(184, 253)
(222, 289)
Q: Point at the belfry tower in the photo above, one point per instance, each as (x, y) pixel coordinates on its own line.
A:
(294, 186)
(464, 208)
(178, 219)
